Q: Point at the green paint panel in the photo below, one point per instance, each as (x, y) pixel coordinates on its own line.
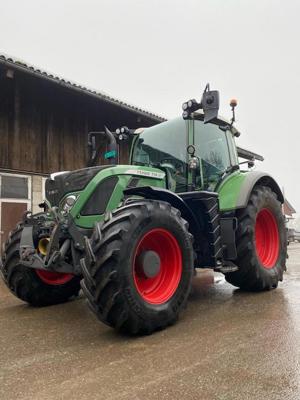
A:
(148, 177)
(230, 189)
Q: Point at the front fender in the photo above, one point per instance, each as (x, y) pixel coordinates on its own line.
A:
(155, 193)
(201, 211)
(235, 191)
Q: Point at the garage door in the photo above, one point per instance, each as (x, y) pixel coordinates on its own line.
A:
(15, 195)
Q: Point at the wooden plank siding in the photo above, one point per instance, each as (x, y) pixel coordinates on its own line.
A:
(44, 126)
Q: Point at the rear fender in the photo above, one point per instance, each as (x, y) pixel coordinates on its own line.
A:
(235, 191)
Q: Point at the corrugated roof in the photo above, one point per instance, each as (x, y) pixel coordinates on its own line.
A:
(21, 65)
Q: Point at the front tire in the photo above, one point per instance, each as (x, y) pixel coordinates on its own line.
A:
(36, 287)
(138, 271)
(261, 243)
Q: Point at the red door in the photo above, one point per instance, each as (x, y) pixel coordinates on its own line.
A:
(11, 214)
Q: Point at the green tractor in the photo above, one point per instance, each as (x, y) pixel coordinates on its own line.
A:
(132, 235)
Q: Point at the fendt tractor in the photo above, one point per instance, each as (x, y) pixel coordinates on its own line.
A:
(132, 235)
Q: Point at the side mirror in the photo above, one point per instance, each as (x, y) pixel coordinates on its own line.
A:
(210, 104)
(112, 149)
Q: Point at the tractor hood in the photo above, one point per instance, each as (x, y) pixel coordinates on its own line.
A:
(58, 185)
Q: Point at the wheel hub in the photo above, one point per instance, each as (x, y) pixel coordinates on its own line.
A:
(149, 262)
(157, 266)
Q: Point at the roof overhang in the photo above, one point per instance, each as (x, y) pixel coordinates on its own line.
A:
(15, 64)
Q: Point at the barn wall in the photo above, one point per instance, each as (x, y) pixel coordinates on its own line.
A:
(43, 129)
(44, 126)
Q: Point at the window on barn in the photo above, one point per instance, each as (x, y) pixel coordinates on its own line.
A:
(14, 187)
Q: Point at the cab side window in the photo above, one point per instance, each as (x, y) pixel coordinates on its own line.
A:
(232, 148)
(212, 149)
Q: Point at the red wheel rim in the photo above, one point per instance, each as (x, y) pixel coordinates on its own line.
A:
(160, 288)
(53, 278)
(266, 238)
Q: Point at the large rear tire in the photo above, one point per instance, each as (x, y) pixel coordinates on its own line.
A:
(261, 243)
(138, 271)
(36, 287)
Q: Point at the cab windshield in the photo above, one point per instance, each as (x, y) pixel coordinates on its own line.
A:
(164, 145)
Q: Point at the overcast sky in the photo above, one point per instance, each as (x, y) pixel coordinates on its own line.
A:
(157, 54)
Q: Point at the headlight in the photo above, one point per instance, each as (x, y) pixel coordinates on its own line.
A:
(68, 203)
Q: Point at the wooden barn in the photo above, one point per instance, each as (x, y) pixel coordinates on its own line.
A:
(44, 122)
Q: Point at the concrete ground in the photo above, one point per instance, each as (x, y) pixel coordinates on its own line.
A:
(226, 345)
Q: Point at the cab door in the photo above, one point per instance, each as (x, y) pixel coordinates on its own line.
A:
(215, 154)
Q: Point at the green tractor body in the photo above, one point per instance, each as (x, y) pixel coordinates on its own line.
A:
(135, 233)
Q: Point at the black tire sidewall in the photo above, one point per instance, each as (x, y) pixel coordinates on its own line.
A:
(25, 283)
(131, 294)
(252, 275)
(269, 202)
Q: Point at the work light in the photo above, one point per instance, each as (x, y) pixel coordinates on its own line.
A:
(68, 203)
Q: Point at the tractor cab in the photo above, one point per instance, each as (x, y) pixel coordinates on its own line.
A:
(196, 151)
(168, 146)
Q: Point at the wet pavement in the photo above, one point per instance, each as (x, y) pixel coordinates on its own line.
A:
(226, 345)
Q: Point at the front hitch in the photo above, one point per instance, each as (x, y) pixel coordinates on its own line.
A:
(54, 259)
